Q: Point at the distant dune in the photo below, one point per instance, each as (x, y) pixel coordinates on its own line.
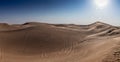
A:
(43, 42)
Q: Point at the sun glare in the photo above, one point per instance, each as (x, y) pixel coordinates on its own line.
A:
(101, 3)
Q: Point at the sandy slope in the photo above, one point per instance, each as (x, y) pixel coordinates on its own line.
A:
(41, 42)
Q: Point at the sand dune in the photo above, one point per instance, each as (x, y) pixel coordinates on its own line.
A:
(43, 42)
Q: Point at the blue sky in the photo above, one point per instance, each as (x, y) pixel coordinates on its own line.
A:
(58, 11)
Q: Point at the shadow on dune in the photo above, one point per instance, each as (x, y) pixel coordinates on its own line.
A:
(38, 39)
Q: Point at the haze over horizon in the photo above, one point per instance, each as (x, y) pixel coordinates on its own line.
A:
(60, 11)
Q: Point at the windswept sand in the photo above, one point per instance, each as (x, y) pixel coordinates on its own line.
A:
(42, 42)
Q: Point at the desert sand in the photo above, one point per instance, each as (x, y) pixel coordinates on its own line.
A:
(43, 42)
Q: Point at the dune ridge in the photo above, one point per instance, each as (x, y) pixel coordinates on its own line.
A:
(44, 42)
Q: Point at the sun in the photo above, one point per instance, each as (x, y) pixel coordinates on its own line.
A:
(101, 3)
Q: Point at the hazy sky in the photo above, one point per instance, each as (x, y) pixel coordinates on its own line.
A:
(60, 11)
